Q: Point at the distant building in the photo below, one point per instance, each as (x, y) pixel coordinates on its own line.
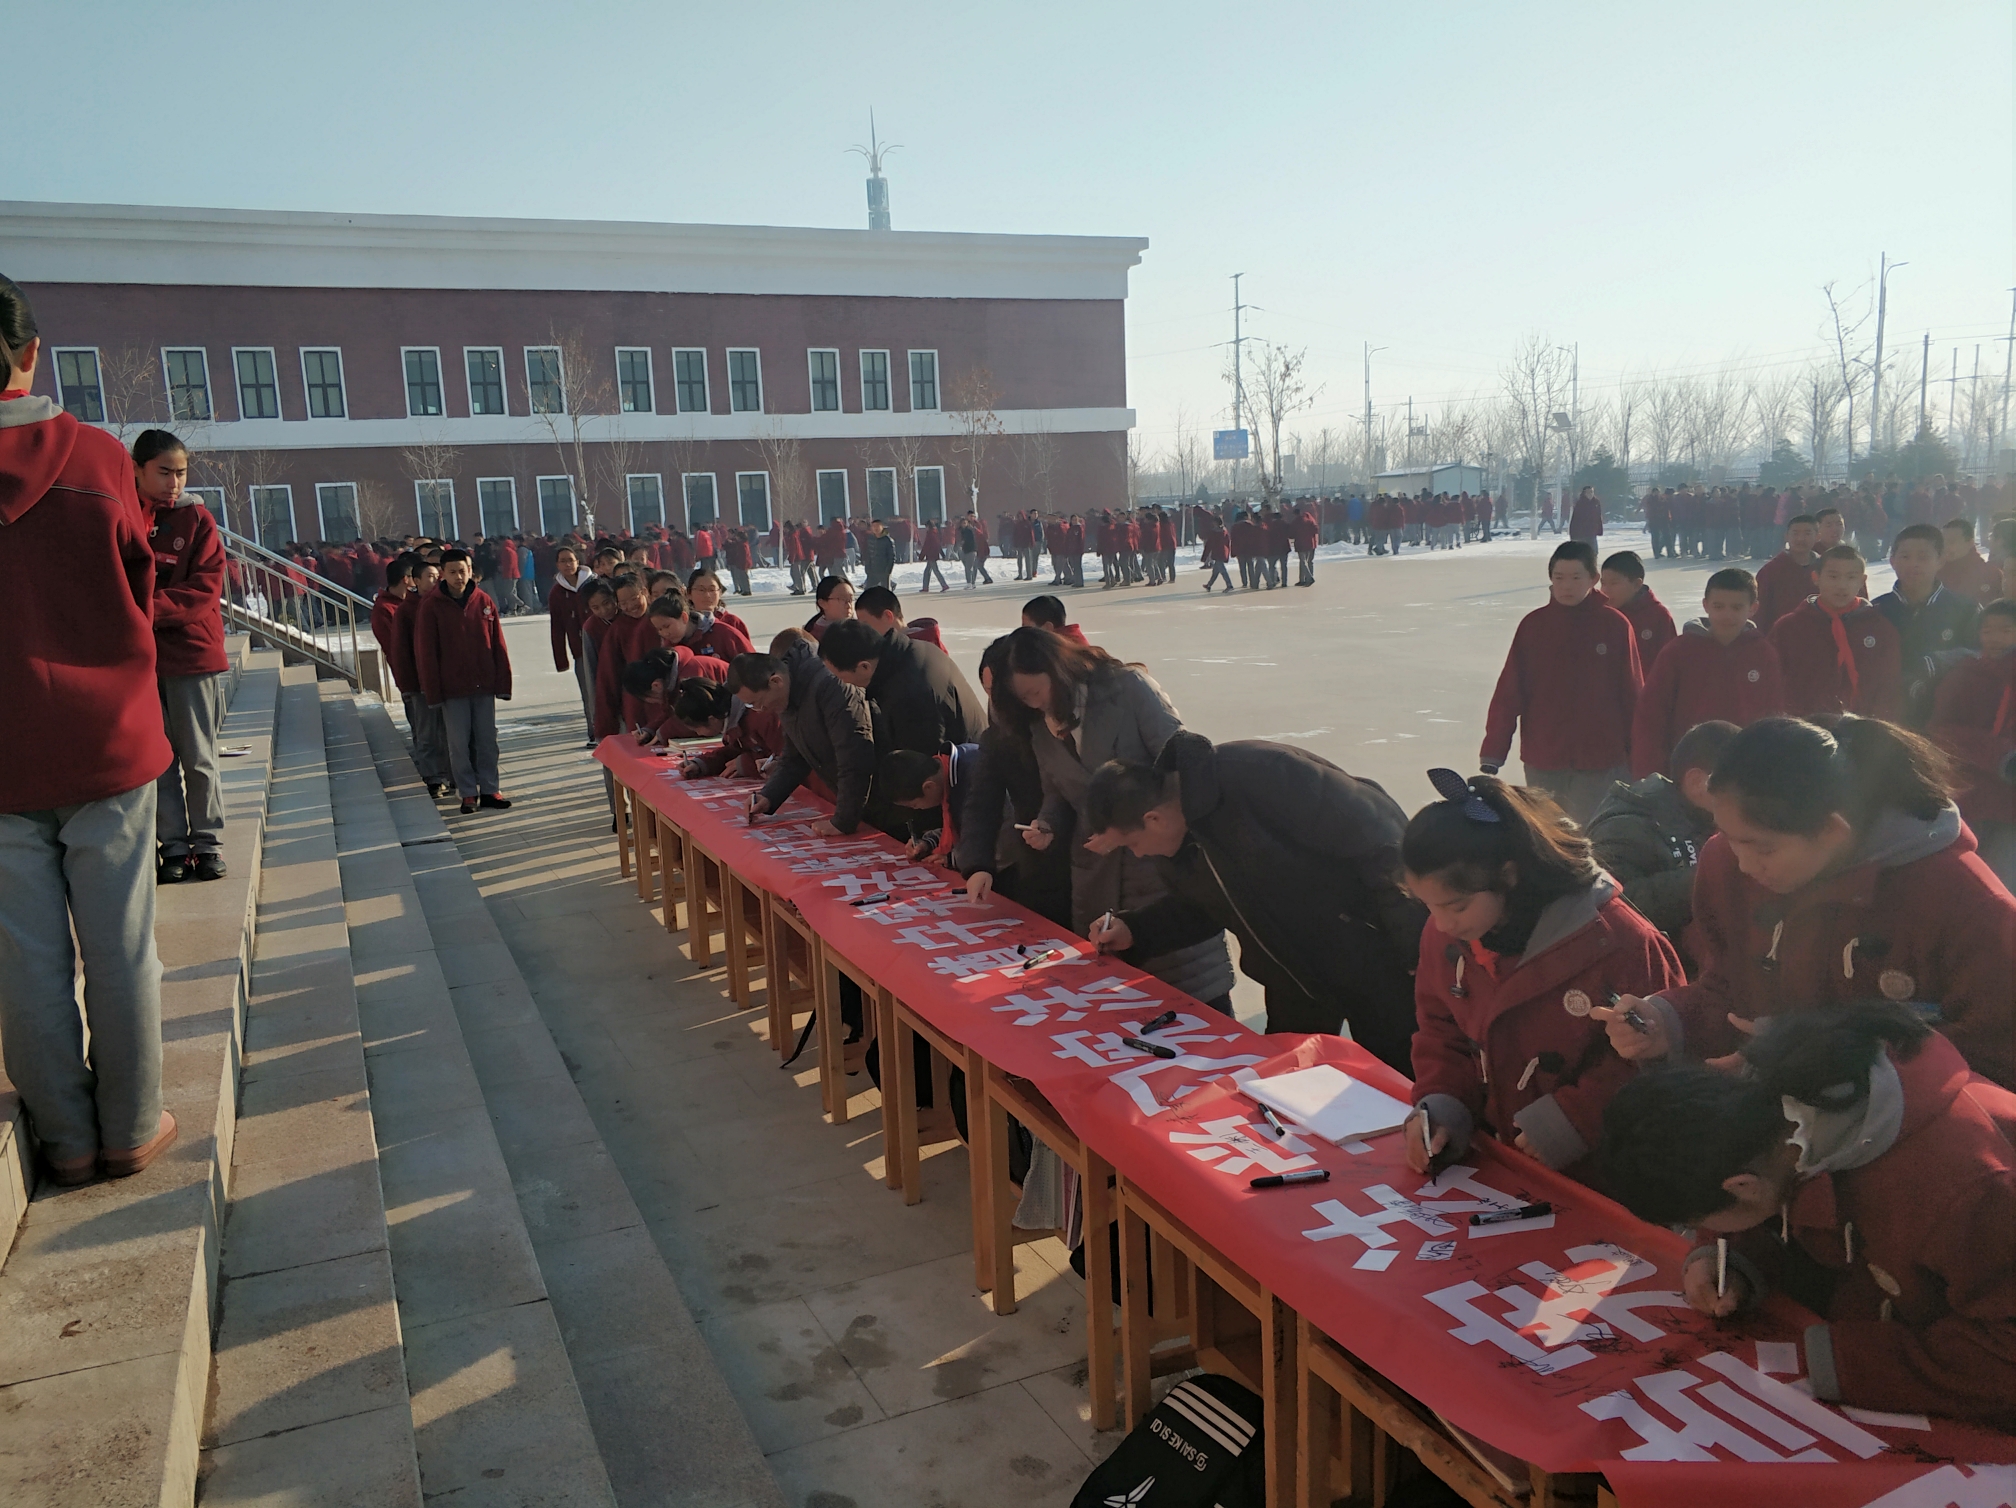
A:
(1452, 478)
(392, 374)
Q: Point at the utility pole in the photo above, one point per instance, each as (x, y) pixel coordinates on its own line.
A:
(1238, 369)
(1924, 372)
(2008, 350)
(1370, 349)
(1876, 373)
(1953, 398)
(1973, 404)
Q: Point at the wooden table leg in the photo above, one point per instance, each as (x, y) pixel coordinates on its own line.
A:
(897, 1091)
(734, 941)
(644, 840)
(980, 1152)
(622, 815)
(1097, 1194)
(832, 1045)
(1277, 1359)
(992, 1182)
(699, 921)
(672, 855)
(1136, 1325)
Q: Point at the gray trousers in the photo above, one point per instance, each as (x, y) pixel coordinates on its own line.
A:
(587, 684)
(87, 869)
(189, 815)
(472, 743)
(430, 739)
(1577, 792)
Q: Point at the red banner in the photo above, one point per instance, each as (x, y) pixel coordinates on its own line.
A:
(1562, 1339)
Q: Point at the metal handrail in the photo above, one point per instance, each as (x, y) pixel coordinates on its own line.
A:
(299, 611)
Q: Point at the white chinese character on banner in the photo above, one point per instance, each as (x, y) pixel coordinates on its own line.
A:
(1227, 1139)
(907, 909)
(1073, 1004)
(1196, 1071)
(1479, 1328)
(1394, 1207)
(942, 935)
(1792, 1420)
(1954, 1487)
(1580, 1302)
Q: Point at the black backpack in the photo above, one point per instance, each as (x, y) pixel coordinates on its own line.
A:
(1200, 1447)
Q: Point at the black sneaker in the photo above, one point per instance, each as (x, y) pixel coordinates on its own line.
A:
(172, 869)
(207, 866)
(433, 790)
(468, 805)
(495, 801)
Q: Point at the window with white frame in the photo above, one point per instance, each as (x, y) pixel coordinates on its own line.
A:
(689, 376)
(485, 366)
(647, 502)
(496, 505)
(211, 498)
(273, 515)
(832, 486)
(336, 506)
(882, 492)
(188, 371)
(874, 382)
(80, 387)
(928, 482)
(434, 501)
(824, 369)
(556, 505)
(703, 502)
(923, 379)
(258, 384)
(633, 379)
(322, 375)
(752, 499)
(545, 384)
(423, 382)
(745, 382)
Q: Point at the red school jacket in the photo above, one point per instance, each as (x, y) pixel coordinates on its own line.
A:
(1480, 1028)
(1974, 720)
(1570, 684)
(1698, 680)
(566, 612)
(1917, 917)
(77, 673)
(188, 590)
(385, 629)
(721, 639)
(1651, 623)
(1971, 576)
(405, 672)
(1815, 679)
(1783, 585)
(458, 647)
(624, 640)
(1922, 1318)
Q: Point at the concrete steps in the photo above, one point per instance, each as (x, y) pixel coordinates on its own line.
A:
(668, 1429)
(309, 1400)
(497, 1414)
(109, 1291)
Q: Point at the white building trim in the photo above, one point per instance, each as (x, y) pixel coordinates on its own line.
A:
(517, 429)
(132, 243)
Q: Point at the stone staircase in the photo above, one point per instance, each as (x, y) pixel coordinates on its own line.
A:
(390, 1261)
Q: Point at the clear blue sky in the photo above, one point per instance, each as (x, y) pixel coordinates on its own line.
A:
(1669, 185)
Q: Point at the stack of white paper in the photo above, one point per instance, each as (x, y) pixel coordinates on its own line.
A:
(1330, 1102)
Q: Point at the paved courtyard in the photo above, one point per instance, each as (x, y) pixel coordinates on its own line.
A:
(870, 1369)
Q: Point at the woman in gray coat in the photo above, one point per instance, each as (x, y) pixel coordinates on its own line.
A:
(1079, 707)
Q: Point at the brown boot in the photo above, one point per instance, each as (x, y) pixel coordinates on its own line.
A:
(70, 1173)
(124, 1164)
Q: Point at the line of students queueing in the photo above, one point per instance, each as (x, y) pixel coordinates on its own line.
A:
(1845, 956)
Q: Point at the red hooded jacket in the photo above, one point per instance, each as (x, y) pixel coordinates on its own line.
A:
(188, 590)
(458, 647)
(1783, 585)
(385, 629)
(624, 640)
(1570, 684)
(721, 639)
(566, 611)
(1918, 917)
(1512, 1041)
(1815, 679)
(1651, 623)
(77, 576)
(1922, 1318)
(1974, 720)
(1698, 680)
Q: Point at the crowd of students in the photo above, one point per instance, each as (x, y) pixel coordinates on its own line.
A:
(1766, 988)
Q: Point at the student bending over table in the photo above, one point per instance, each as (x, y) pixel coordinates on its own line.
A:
(1859, 1164)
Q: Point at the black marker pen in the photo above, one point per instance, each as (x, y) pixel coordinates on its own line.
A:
(1154, 1048)
(1506, 1217)
(1277, 1180)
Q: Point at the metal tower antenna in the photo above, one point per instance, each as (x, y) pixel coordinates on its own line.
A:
(878, 186)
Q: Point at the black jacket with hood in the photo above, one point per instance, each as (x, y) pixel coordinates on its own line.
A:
(826, 729)
(1649, 836)
(1301, 861)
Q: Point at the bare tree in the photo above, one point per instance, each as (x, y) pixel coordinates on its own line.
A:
(1034, 455)
(974, 398)
(1776, 401)
(378, 511)
(1535, 380)
(1278, 389)
(617, 457)
(128, 379)
(1187, 456)
(1850, 351)
(783, 458)
(586, 391)
(1823, 402)
(225, 470)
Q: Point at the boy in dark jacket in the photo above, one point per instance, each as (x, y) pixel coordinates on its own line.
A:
(1935, 627)
(1649, 834)
(827, 729)
(1295, 857)
(921, 699)
(464, 669)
